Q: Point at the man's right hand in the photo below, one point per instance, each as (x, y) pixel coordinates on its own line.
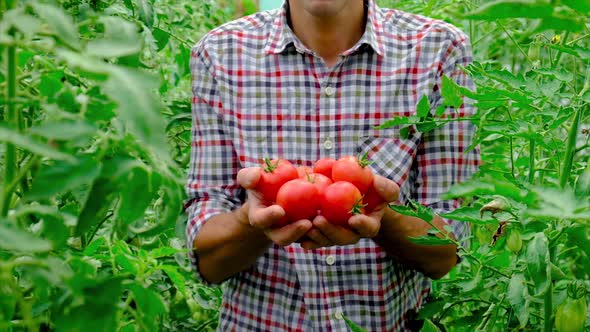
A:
(256, 214)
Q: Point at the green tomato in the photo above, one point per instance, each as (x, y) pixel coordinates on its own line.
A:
(534, 53)
(514, 241)
(571, 315)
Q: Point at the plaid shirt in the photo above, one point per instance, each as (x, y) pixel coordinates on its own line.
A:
(259, 92)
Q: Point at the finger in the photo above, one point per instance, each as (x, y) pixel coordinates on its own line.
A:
(248, 177)
(366, 226)
(388, 189)
(338, 235)
(263, 217)
(310, 245)
(290, 233)
(316, 237)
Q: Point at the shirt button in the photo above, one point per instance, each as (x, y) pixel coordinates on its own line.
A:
(328, 145)
(339, 314)
(330, 260)
(329, 91)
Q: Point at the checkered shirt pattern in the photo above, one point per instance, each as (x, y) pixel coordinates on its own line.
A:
(259, 92)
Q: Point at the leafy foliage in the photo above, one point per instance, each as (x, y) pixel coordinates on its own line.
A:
(95, 138)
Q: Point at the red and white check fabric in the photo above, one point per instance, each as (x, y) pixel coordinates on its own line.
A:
(259, 92)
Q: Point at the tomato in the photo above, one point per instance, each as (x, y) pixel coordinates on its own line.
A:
(514, 241)
(300, 199)
(571, 315)
(273, 175)
(341, 200)
(372, 199)
(324, 166)
(320, 181)
(355, 171)
(303, 171)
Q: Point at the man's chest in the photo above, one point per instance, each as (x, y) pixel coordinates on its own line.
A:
(298, 109)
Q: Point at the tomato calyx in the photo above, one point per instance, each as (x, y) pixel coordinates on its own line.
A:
(358, 207)
(363, 160)
(269, 166)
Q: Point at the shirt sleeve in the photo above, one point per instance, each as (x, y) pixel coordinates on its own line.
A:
(444, 156)
(211, 183)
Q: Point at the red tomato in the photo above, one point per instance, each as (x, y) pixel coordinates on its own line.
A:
(320, 181)
(300, 199)
(340, 201)
(273, 175)
(371, 200)
(303, 171)
(324, 166)
(354, 171)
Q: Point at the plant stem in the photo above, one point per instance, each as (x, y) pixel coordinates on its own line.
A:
(532, 161)
(559, 52)
(570, 150)
(548, 320)
(512, 158)
(12, 119)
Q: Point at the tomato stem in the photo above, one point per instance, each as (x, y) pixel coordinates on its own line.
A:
(570, 150)
(13, 120)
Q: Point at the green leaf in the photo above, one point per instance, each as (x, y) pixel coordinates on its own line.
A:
(562, 23)
(64, 130)
(490, 186)
(88, 66)
(469, 214)
(559, 204)
(398, 120)
(429, 326)
(575, 50)
(149, 305)
(353, 326)
(125, 258)
(495, 10)
(61, 177)
(60, 23)
(414, 209)
(21, 241)
(134, 92)
(23, 22)
(579, 5)
(120, 39)
(146, 12)
(96, 206)
(451, 93)
(429, 240)
(518, 295)
(176, 277)
(136, 194)
(28, 143)
(162, 37)
(98, 309)
(164, 252)
(538, 262)
(94, 246)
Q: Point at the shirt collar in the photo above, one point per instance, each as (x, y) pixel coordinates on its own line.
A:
(282, 36)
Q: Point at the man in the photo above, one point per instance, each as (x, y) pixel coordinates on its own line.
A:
(309, 81)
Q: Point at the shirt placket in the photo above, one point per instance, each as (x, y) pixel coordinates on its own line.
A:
(332, 281)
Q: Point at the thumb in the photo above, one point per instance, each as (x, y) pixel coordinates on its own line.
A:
(386, 188)
(248, 177)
